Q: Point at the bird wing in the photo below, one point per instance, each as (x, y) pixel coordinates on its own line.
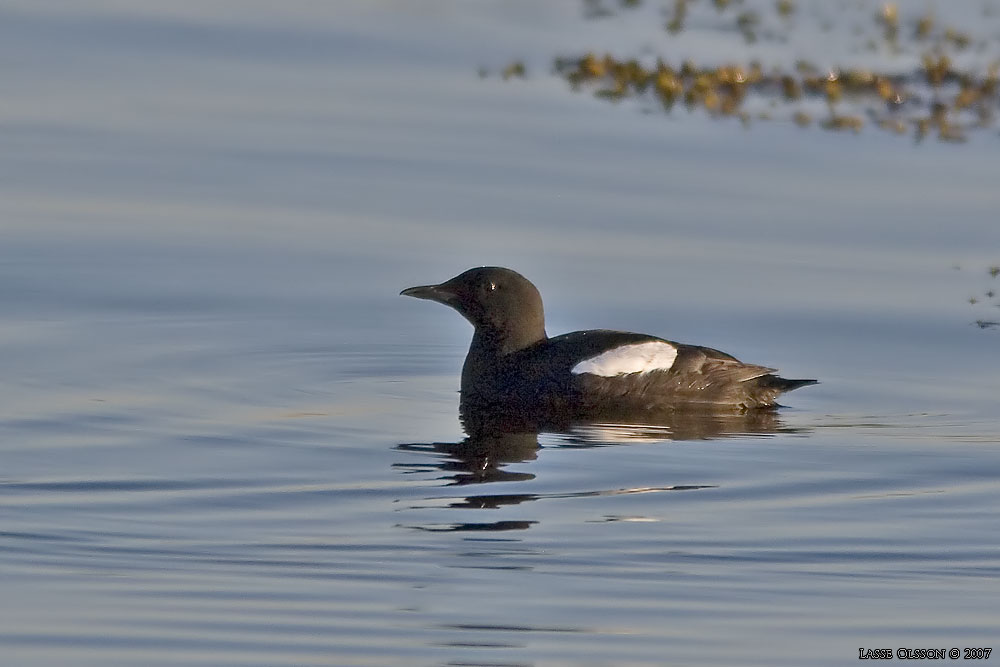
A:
(699, 368)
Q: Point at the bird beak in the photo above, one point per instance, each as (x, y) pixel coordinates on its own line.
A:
(440, 293)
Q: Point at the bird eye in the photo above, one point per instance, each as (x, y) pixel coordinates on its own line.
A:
(493, 287)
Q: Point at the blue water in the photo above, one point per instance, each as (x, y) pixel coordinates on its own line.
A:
(225, 440)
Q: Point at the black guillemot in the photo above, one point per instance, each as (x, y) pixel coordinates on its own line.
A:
(512, 365)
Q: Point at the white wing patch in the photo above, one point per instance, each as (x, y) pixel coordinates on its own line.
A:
(636, 358)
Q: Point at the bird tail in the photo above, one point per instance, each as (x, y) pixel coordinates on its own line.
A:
(784, 384)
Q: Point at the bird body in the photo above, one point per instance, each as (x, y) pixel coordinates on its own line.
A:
(513, 366)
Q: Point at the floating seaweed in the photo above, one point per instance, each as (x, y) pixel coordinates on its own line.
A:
(514, 69)
(722, 91)
(938, 98)
(990, 299)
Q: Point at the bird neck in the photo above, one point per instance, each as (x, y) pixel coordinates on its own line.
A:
(495, 343)
(485, 373)
(489, 347)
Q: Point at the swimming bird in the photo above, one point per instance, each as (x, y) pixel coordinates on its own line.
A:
(514, 367)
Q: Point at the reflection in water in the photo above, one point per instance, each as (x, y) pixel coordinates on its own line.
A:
(496, 440)
(689, 424)
(479, 458)
(492, 526)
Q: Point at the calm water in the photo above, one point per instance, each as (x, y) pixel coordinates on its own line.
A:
(224, 440)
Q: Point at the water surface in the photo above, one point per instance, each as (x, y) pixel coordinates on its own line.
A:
(225, 440)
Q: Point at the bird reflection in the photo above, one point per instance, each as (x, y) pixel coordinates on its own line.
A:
(496, 439)
(480, 457)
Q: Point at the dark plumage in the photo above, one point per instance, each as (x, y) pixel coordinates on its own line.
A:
(513, 366)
